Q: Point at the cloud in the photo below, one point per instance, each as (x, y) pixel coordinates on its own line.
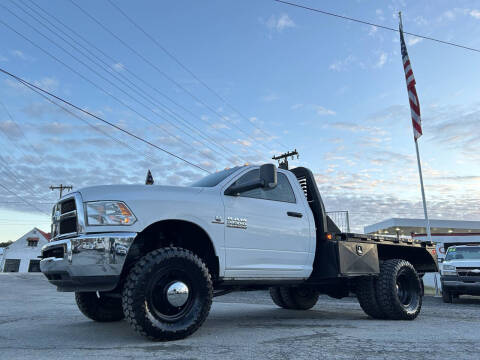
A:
(10, 129)
(381, 60)
(341, 65)
(475, 13)
(279, 23)
(324, 111)
(412, 40)
(270, 97)
(118, 67)
(296, 106)
(373, 30)
(47, 83)
(18, 54)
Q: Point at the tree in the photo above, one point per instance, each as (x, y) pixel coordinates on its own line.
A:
(5, 244)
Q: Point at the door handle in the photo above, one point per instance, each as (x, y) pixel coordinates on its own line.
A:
(294, 214)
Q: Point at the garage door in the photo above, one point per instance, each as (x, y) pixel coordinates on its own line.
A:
(34, 266)
(11, 265)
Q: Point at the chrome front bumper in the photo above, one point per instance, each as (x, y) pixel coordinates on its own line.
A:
(91, 262)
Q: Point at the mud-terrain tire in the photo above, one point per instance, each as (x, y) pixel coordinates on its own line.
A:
(99, 307)
(299, 297)
(154, 298)
(447, 296)
(367, 297)
(277, 297)
(399, 292)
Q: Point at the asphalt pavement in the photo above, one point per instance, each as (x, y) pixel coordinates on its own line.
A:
(36, 322)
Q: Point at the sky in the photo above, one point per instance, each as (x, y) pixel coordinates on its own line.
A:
(223, 83)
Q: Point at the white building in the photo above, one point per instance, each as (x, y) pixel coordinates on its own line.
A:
(443, 232)
(22, 255)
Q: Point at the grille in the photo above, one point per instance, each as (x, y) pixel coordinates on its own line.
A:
(64, 218)
(468, 271)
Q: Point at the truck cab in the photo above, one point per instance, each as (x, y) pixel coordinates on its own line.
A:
(460, 273)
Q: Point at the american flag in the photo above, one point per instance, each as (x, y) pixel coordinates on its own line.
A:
(412, 91)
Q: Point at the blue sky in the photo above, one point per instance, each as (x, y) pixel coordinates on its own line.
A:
(334, 90)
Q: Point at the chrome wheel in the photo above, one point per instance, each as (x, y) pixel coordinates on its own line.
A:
(169, 295)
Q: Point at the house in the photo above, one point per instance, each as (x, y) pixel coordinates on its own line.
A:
(22, 255)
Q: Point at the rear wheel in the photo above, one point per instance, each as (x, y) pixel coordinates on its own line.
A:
(167, 294)
(295, 298)
(277, 297)
(99, 307)
(399, 291)
(367, 297)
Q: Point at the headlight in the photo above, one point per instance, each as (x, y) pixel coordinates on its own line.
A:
(109, 213)
(449, 267)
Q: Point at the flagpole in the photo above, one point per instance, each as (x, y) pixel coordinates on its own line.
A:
(429, 234)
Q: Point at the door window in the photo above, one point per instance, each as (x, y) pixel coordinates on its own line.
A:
(282, 192)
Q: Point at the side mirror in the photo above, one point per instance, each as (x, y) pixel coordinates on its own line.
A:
(440, 260)
(266, 180)
(268, 175)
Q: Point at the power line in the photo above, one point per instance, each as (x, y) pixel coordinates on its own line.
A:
(127, 70)
(23, 199)
(184, 67)
(87, 79)
(169, 78)
(376, 25)
(39, 89)
(110, 72)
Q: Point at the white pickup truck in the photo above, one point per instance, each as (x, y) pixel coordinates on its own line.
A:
(460, 271)
(156, 255)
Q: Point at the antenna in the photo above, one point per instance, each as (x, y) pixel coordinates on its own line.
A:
(283, 159)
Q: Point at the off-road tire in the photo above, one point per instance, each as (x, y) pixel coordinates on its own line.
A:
(299, 298)
(99, 307)
(277, 297)
(367, 297)
(447, 296)
(160, 263)
(393, 273)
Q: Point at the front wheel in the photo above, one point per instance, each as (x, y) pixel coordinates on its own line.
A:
(399, 291)
(447, 296)
(167, 294)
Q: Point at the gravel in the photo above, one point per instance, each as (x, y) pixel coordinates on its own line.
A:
(36, 322)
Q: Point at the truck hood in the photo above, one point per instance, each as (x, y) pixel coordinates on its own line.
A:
(136, 192)
(464, 263)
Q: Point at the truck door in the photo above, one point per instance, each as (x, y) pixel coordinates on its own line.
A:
(267, 232)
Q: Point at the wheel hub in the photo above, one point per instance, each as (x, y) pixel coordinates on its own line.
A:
(177, 293)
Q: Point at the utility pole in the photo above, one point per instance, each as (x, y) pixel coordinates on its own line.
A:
(283, 159)
(61, 187)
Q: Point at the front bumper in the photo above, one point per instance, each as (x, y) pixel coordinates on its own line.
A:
(462, 285)
(90, 262)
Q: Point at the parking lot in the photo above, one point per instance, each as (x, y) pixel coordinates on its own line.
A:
(36, 322)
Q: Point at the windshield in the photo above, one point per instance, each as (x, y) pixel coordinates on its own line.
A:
(463, 253)
(215, 178)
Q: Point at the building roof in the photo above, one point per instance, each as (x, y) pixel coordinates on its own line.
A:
(44, 234)
(405, 226)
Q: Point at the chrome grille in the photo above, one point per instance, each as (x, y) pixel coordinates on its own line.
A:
(468, 271)
(67, 217)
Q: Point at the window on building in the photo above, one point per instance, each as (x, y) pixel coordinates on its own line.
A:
(12, 265)
(33, 242)
(34, 266)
